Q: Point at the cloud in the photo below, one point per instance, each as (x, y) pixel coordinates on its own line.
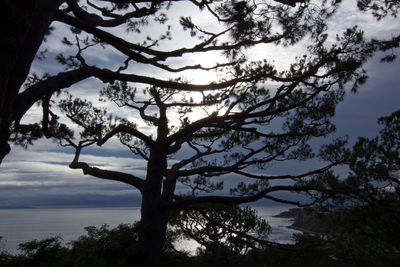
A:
(357, 115)
(40, 176)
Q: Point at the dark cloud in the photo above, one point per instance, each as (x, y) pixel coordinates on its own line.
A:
(41, 177)
(88, 192)
(357, 115)
(75, 200)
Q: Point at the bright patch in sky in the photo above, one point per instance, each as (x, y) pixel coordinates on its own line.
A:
(43, 168)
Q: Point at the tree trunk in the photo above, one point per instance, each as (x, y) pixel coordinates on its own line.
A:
(153, 223)
(24, 26)
(153, 226)
(16, 21)
(216, 248)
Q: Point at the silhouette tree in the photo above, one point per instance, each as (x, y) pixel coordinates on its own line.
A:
(373, 165)
(251, 115)
(380, 8)
(222, 231)
(26, 25)
(364, 223)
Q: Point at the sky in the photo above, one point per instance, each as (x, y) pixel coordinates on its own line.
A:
(39, 176)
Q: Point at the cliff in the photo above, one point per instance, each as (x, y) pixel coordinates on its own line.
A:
(308, 220)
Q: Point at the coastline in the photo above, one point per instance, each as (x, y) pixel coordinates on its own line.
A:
(24, 224)
(306, 220)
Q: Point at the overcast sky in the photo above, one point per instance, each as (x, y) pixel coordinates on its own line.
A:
(39, 176)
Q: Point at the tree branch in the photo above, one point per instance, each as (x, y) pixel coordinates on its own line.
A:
(47, 87)
(287, 247)
(96, 20)
(286, 176)
(105, 174)
(234, 200)
(121, 128)
(125, 46)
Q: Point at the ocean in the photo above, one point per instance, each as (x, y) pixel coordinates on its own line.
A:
(22, 225)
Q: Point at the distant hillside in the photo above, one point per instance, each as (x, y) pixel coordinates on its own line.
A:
(308, 220)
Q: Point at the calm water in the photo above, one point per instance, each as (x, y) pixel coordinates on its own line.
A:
(21, 225)
(280, 233)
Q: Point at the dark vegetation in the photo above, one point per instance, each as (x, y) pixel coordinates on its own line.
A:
(361, 230)
(254, 115)
(356, 237)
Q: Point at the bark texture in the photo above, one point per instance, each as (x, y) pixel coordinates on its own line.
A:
(25, 25)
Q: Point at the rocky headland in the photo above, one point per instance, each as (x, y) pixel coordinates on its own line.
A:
(308, 220)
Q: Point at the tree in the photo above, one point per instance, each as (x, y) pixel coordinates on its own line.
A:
(380, 8)
(46, 252)
(103, 246)
(100, 246)
(25, 26)
(373, 164)
(224, 231)
(363, 227)
(250, 116)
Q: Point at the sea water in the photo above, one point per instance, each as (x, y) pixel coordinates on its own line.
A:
(280, 232)
(22, 225)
